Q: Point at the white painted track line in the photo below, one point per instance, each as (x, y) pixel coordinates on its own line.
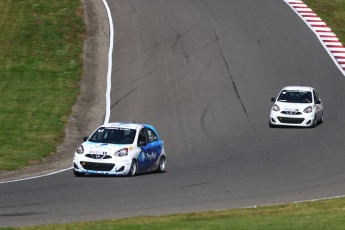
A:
(30, 178)
(110, 62)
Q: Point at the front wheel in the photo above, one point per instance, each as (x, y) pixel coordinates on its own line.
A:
(321, 120)
(161, 165)
(314, 123)
(133, 169)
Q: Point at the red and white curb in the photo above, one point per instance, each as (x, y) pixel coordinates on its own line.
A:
(327, 38)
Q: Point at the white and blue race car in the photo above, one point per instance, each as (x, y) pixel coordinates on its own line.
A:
(120, 149)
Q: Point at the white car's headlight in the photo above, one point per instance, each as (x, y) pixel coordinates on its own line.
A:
(121, 153)
(80, 150)
(309, 109)
(275, 108)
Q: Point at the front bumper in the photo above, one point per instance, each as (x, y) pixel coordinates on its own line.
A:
(303, 120)
(85, 165)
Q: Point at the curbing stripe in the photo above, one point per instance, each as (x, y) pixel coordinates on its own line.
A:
(327, 38)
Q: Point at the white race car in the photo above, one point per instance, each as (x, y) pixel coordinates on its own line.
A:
(120, 149)
(296, 106)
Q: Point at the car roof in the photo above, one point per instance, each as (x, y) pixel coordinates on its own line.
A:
(122, 125)
(128, 125)
(302, 88)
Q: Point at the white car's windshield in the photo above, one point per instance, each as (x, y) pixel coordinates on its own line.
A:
(113, 136)
(295, 96)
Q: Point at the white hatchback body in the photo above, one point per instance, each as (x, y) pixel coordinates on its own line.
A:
(296, 106)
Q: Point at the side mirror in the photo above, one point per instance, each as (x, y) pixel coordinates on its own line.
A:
(318, 102)
(273, 99)
(85, 138)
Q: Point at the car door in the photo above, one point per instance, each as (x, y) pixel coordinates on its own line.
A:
(155, 146)
(318, 105)
(142, 144)
(148, 143)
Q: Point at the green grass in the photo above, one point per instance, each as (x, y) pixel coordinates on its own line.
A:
(40, 68)
(326, 214)
(332, 12)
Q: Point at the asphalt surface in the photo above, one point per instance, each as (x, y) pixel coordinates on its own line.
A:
(203, 72)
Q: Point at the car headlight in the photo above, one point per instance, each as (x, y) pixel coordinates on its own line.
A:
(80, 150)
(275, 108)
(309, 109)
(121, 153)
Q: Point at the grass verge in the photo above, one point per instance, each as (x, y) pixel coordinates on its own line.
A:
(40, 68)
(326, 214)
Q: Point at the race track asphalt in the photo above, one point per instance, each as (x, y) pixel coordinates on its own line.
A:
(203, 72)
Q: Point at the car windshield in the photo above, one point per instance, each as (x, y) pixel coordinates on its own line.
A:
(295, 96)
(113, 136)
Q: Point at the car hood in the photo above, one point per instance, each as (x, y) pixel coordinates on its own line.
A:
(102, 148)
(297, 107)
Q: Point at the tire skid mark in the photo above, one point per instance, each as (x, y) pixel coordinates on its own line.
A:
(124, 96)
(193, 185)
(131, 11)
(233, 81)
(167, 65)
(202, 119)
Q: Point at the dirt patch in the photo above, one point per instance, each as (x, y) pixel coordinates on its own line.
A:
(89, 111)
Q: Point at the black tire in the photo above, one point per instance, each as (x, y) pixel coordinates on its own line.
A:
(270, 124)
(133, 169)
(314, 123)
(161, 164)
(78, 174)
(321, 120)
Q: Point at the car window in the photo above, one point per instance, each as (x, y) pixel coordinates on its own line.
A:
(142, 140)
(295, 96)
(316, 96)
(113, 136)
(151, 135)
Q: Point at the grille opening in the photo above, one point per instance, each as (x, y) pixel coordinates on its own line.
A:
(290, 120)
(97, 156)
(97, 166)
(291, 112)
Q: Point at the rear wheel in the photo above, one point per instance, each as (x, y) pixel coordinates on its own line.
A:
(161, 165)
(133, 169)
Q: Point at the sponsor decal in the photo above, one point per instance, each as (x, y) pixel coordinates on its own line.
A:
(151, 156)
